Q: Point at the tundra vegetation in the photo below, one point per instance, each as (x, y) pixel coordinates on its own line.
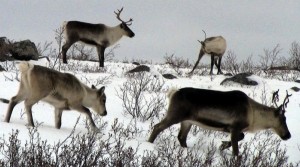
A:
(143, 102)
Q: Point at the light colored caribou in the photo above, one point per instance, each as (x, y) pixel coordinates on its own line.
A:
(62, 90)
(232, 112)
(214, 46)
(99, 35)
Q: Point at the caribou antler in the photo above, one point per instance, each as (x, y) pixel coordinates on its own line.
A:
(202, 43)
(204, 34)
(275, 98)
(129, 22)
(286, 99)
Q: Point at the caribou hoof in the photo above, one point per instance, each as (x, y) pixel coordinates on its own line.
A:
(225, 145)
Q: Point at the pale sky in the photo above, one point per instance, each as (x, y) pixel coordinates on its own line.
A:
(163, 27)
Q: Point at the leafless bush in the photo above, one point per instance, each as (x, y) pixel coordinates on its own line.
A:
(295, 55)
(230, 63)
(269, 59)
(248, 66)
(54, 53)
(79, 51)
(107, 148)
(136, 102)
(9, 66)
(82, 66)
(262, 150)
(177, 63)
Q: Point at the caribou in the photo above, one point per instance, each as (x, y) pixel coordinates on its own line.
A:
(232, 112)
(62, 90)
(99, 35)
(214, 46)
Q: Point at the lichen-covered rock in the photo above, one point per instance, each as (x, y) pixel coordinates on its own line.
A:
(241, 78)
(5, 47)
(1, 68)
(169, 76)
(140, 68)
(296, 89)
(24, 50)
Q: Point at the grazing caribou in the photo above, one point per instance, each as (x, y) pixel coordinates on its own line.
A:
(233, 112)
(62, 90)
(99, 35)
(216, 47)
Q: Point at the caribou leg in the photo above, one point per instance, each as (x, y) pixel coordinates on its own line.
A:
(212, 64)
(227, 144)
(100, 50)
(64, 50)
(219, 65)
(184, 130)
(58, 114)
(164, 124)
(197, 62)
(12, 103)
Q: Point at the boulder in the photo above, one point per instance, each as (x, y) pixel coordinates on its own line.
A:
(24, 50)
(169, 76)
(241, 78)
(5, 47)
(140, 68)
(1, 68)
(296, 89)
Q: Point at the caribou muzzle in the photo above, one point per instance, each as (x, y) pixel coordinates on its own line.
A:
(104, 113)
(286, 136)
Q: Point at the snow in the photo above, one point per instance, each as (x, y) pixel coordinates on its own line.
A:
(116, 73)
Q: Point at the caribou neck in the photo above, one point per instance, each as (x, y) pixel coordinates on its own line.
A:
(89, 96)
(114, 34)
(261, 116)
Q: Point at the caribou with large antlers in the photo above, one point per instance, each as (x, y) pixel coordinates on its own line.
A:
(233, 112)
(214, 46)
(99, 35)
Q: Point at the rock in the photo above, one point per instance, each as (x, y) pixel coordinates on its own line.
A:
(5, 47)
(298, 81)
(136, 63)
(296, 89)
(1, 68)
(169, 76)
(24, 50)
(140, 68)
(241, 78)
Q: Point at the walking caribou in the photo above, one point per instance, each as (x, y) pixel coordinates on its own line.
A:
(62, 90)
(99, 35)
(233, 112)
(216, 47)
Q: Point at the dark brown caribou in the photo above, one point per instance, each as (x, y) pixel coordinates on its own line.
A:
(99, 35)
(233, 112)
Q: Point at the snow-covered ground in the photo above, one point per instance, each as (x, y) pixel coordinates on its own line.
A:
(115, 77)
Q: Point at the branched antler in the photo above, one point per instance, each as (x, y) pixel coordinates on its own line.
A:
(204, 34)
(202, 42)
(286, 99)
(275, 98)
(129, 22)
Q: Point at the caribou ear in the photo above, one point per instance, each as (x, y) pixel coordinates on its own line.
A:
(101, 90)
(93, 87)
